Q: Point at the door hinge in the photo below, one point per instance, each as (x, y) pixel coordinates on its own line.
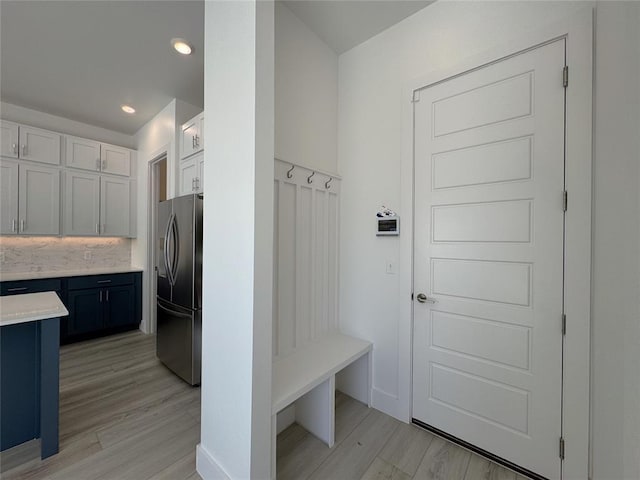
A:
(561, 448)
(416, 96)
(564, 324)
(565, 200)
(565, 76)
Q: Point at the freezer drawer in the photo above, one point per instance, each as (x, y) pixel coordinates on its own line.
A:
(179, 340)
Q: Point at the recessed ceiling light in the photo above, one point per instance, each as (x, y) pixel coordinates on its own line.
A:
(128, 109)
(181, 46)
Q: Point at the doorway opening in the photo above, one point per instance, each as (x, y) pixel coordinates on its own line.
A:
(157, 193)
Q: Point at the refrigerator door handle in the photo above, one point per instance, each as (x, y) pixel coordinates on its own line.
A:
(175, 240)
(167, 265)
(173, 312)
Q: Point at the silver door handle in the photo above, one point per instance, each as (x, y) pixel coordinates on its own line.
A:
(193, 184)
(104, 281)
(14, 225)
(100, 296)
(14, 146)
(102, 164)
(98, 228)
(107, 295)
(24, 149)
(422, 298)
(17, 289)
(197, 140)
(173, 312)
(22, 222)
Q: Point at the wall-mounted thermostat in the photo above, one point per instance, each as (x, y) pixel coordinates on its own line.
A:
(388, 226)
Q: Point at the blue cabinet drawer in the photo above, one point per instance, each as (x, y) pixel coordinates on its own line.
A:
(99, 281)
(30, 286)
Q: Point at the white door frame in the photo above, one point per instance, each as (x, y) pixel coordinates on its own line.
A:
(159, 155)
(578, 30)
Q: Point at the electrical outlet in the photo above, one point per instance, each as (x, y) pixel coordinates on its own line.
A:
(87, 254)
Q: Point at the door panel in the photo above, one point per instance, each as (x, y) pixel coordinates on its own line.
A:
(8, 139)
(8, 197)
(120, 306)
(85, 311)
(174, 340)
(82, 153)
(39, 200)
(489, 177)
(115, 160)
(115, 206)
(188, 175)
(82, 204)
(39, 145)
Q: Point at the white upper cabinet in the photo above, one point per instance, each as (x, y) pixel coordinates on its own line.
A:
(200, 159)
(97, 157)
(191, 139)
(8, 197)
(115, 160)
(38, 200)
(188, 176)
(81, 203)
(8, 139)
(115, 206)
(82, 153)
(29, 143)
(39, 145)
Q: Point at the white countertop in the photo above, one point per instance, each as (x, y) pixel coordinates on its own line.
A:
(30, 307)
(8, 277)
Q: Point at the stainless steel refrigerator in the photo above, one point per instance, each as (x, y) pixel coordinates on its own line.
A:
(179, 281)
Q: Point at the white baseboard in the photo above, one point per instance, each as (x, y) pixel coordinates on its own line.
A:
(207, 467)
(387, 403)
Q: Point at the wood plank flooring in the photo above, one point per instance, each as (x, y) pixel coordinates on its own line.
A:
(125, 416)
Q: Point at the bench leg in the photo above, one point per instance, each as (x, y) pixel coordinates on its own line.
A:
(316, 411)
(355, 380)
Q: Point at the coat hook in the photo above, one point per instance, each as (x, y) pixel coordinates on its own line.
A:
(310, 177)
(327, 184)
(289, 172)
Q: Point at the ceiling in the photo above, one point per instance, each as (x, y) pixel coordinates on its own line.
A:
(343, 24)
(83, 59)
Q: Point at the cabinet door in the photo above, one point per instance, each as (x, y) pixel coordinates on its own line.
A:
(200, 182)
(39, 200)
(188, 175)
(8, 139)
(115, 160)
(81, 203)
(190, 131)
(115, 206)
(200, 139)
(82, 153)
(39, 145)
(85, 311)
(119, 306)
(8, 197)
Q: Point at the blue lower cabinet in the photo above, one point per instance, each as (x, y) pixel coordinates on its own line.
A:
(98, 304)
(29, 384)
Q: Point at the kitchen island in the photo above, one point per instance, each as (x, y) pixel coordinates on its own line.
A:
(29, 370)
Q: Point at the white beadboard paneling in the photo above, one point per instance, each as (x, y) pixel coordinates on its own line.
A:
(306, 219)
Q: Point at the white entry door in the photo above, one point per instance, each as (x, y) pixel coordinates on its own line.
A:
(489, 222)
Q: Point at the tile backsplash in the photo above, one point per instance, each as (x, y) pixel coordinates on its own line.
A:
(36, 254)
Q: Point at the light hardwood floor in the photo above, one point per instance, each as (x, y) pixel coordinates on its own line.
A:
(124, 416)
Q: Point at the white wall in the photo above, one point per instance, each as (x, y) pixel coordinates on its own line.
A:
(306, 76)
(18, 114)
(616, 241)
(237, 253)
(155, 138)
(371, 81)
